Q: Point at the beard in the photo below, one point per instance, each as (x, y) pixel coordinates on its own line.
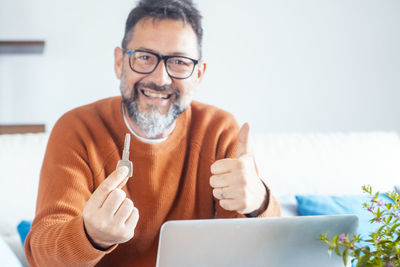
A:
(152, 122)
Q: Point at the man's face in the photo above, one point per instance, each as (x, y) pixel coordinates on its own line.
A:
(155, 100)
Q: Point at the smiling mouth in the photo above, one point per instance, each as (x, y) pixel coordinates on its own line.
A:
(153, 94)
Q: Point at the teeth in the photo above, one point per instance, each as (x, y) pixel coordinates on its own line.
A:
(155, 95)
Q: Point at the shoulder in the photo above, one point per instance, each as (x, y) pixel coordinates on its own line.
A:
(213, 130)
(212, 116)
(98, 108)
(89, 132)
(94, 123)
(91, 115)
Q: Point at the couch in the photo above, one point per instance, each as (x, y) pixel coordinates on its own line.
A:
(291, 164)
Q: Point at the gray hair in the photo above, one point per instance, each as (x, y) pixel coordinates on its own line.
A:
(183, 10)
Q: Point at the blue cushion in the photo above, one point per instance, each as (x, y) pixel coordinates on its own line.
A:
(23, 229)
(348, 204)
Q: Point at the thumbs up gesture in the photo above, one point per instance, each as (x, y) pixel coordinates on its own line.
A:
(235, 181)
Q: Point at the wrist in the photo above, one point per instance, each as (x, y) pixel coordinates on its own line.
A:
(264, 205)
(97, 245)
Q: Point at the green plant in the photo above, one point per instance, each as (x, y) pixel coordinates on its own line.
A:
(380, 248)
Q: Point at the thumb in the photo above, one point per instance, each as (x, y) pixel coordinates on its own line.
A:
(244, 140)
(114, 180)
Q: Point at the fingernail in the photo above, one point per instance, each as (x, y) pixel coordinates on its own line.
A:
(213, 168)
(123, 170)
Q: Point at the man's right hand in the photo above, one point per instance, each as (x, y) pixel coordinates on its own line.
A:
(109, 216)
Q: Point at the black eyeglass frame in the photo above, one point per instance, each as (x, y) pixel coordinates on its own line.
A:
(159, 58)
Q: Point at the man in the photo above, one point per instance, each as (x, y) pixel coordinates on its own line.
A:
(189, 159)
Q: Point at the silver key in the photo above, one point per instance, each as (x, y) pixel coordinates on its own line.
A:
(125, 156)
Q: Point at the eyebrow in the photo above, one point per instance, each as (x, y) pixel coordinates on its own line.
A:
(169, 54)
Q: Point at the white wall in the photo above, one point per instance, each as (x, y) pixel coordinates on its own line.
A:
(310, 65)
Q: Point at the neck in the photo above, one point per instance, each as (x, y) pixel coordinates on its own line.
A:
(141, 133)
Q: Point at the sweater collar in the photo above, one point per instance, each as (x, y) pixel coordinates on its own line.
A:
(146, 140)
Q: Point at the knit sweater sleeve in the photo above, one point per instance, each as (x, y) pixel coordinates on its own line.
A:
(57, 236)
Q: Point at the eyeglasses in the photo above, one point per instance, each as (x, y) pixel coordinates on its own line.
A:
(145, 62)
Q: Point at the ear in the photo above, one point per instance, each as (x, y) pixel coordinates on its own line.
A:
(118, 61)
(201, 69)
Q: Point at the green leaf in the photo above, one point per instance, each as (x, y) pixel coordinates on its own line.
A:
(345, 256)
(356, 238)
(357, 253)
(363, 261)
(381, 228)
(337, 251)
(367, 189)
(394, 227)
(324, 239)
(378, 213)
(388, 219)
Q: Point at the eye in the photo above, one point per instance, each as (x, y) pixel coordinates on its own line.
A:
(143, 57)
(180, 61)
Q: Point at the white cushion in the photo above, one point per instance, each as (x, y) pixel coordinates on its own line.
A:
(288, 205)
(7, 256)
(322, 163)
(21, 157)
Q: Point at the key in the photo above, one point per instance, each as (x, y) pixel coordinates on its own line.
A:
(125, 156)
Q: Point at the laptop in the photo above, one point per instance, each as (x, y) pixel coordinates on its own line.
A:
(276, 242)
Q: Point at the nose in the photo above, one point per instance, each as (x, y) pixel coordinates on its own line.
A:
(160, 76)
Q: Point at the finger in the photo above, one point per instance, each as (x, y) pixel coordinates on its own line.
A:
(230, 193)
(231, 204)
(227, 193)
(109, 184)
(221, 180)
(224, 166)
(244, 140)
(133, 219)
(217, 193)
(124, 211)
(113, 201)
(123, 182)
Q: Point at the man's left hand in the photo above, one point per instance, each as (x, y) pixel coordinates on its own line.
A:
(235, 181)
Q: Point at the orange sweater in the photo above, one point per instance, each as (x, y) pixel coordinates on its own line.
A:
(170, 181)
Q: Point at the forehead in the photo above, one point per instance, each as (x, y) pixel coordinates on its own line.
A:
(164, 36)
